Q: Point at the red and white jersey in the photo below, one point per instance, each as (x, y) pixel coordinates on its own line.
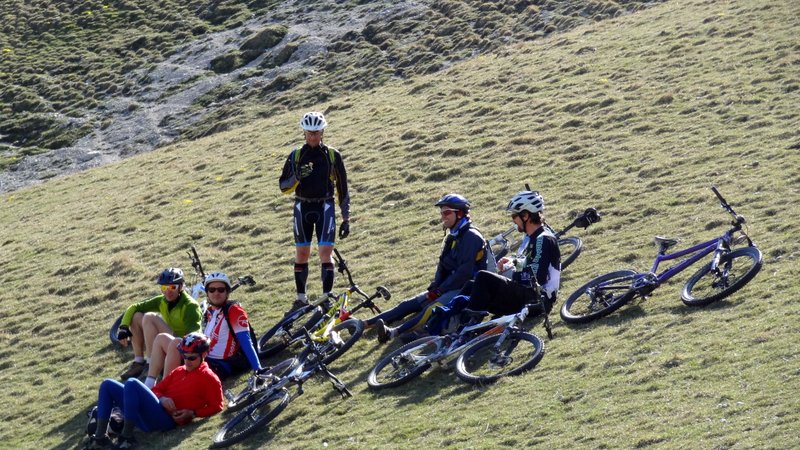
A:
(223, 341)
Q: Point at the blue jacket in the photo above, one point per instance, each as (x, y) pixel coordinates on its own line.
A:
(463, 255)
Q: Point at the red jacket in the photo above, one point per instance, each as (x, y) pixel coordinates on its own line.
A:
(199, 390)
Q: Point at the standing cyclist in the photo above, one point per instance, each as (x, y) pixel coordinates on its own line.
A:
(463, 255)
(311, 172)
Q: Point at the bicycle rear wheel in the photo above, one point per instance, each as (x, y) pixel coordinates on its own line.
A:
(596, 298)
(405, 363)
(289, 328)
(248, 394)
(112, 333)
(737, 269)
(488, 360)
(343, 336)
(250, 420)
(570, 248)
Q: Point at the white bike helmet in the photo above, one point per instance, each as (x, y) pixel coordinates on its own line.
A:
(217, 276)
(313, 121)
(531, 201)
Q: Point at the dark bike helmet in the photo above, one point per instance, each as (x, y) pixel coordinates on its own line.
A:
(194, 342)
(531, 201)
(170, 275)
(454, 201)
(313, 121)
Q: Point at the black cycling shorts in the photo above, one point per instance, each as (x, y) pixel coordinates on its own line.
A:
(311, 217)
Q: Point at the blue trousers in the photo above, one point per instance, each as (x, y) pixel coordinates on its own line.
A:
(138, 403)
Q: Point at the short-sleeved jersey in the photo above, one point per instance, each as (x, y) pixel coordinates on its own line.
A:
(223, 341)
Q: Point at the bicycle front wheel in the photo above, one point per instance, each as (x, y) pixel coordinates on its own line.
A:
(570, 248)
(405, 363)
(489, 359)
(735, 269)
(342, 337)
(250, 420)
(599, 297)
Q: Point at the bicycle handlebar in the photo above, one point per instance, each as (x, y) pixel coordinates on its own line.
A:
(737, 219)
(198, 266)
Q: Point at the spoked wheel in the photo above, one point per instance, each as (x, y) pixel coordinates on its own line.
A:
(342, 337)
(248, 393)
(571, 248)
(490, 359)
(599, 297)
(734, 270)
(405, 363)
(289, 328)
(252, 419)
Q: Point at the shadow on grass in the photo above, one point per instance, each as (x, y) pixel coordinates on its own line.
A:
(75, 431)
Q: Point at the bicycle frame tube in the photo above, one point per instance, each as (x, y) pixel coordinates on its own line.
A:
(698, 251)
(337, 309)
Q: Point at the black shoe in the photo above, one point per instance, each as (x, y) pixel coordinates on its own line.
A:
(96, 443)
(298, 304)
(384, 333)
(125, 442)
(135, 370)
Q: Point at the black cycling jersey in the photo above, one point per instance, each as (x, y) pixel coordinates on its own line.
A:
(325, 175)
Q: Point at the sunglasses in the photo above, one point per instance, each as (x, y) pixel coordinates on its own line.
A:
(447, 212)
(168, 287)
(212, 290)
(190, 358)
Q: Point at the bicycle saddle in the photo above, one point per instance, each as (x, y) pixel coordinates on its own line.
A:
(665, 243)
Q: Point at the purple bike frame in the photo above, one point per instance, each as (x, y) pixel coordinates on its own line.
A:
(700, 251)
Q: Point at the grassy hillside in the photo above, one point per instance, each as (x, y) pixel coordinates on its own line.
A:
(637, 116)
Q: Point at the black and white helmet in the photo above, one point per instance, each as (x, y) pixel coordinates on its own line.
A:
(313, 121)
(531, 201)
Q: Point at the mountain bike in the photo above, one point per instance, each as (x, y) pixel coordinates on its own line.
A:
(483, 352)
(267, 393)
(570, 247)
(329, 323)
(198, 291)
(730, 268)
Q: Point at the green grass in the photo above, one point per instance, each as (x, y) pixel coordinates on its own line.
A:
(637, 116)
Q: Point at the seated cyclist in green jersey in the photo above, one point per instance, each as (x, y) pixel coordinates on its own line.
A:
(174, 312)
(463, 255)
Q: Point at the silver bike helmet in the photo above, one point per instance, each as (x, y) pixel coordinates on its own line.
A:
(217, 276)
(313, 121)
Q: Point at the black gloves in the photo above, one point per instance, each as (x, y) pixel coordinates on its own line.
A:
(344, 230)
(304, 171)
(124, 332)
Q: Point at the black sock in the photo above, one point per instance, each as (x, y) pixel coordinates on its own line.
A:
(327, 277)
(300, 277)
